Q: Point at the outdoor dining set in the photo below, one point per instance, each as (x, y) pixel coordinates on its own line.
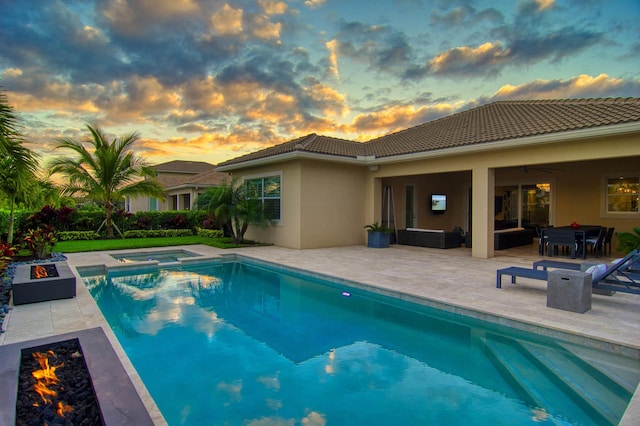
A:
(575, 240)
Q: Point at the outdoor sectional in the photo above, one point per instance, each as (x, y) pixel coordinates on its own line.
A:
(513, 237)
(433, 238)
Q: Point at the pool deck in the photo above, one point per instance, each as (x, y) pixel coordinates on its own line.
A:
(437, 277)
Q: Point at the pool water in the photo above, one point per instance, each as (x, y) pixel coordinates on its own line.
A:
(239, 343)
(167, 256)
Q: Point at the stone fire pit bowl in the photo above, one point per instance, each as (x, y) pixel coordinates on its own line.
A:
(31, 290)
(119, 402)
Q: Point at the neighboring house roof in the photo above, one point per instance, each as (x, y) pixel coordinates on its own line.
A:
(179, 173)
(180, 166)
(205, 179)
(493, 122)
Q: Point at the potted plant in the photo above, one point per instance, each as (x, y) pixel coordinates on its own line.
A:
(378, 236)
(628, 241)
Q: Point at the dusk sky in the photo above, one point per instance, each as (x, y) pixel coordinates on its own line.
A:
(213, 80)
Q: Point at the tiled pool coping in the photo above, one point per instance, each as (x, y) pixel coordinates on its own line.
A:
(439, 277)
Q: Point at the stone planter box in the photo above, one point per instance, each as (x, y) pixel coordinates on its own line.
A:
(28, 290)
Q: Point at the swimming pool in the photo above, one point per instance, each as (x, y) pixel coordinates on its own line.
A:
(237, 342)
(166, 256)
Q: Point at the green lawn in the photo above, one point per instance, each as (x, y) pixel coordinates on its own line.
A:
(135, 243)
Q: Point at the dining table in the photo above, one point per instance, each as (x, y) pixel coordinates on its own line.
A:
(580, 234)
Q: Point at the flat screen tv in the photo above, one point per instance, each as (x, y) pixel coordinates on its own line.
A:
(438, 203)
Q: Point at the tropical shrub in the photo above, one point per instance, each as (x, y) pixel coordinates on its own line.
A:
(6, 254)
(40, 241)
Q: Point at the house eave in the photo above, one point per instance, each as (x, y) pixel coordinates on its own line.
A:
(573, 135)
(296, 155)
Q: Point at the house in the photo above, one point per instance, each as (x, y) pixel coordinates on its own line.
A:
(183, 181)
(522, 163)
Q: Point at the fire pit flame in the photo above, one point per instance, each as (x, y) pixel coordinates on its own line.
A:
(40, 271)
(45, 377)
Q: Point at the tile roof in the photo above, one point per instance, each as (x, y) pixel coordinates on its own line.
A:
(181, 166)
(507, 120)
(492, 122)
(310, 143)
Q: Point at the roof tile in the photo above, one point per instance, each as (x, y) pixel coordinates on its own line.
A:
(492, 122)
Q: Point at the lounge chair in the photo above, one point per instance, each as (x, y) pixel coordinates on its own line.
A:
(613, 277)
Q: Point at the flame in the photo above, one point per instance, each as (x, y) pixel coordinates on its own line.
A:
(40, 271)
(47, 376)
(63, 409)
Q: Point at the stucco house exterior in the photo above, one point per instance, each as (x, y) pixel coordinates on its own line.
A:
(523, 163)
(183, 182)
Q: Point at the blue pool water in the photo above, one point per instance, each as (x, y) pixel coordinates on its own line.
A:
(239, 343)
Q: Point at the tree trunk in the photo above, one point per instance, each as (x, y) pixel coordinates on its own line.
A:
(107, 222)
(11, 220)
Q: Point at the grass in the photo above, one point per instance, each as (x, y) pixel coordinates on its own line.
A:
(135, 243)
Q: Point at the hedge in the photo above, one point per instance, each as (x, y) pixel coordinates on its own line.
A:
(90, 221)
(76, 235)
(155, 233)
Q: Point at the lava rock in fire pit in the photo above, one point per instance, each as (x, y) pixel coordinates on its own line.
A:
(55, 388)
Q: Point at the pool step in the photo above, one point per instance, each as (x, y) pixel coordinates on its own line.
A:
(566, 380)
(603, 395)
(621, 370)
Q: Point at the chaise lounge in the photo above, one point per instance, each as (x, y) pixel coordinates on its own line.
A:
(615, 277)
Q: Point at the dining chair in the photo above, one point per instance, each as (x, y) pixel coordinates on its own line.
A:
(561, 238)
(596, 244)
(607, 240)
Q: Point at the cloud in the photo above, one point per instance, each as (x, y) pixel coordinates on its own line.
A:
(381, 47)
(314, 4)
(227, 21)
(332, 46)
(468, 61)
(581, 86)
(273, 7)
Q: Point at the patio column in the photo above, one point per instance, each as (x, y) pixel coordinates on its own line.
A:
(482, 215)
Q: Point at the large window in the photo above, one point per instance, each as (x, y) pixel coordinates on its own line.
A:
(267, 190)
(622, 194)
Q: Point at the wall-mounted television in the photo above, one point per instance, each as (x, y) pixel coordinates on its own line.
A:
(438, 203)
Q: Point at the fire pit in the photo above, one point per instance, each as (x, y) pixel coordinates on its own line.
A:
(54, 387)
(114, 396)
(43, 282)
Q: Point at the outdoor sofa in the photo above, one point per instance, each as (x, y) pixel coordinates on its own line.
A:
(512, 237)
(433, 238)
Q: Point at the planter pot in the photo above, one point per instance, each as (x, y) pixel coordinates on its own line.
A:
(378, 239)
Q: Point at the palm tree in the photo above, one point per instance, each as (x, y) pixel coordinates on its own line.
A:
(18, 163)
(229, 204)
(108, 173)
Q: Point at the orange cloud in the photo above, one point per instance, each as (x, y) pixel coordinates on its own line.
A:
(227, 21)
(464, 56)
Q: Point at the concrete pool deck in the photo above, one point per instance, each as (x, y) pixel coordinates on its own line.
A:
(449, 277)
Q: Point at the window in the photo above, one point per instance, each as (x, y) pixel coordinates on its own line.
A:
(153, 204)
(267, 190)
(622, 194)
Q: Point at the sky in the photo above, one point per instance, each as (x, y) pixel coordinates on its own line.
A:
(214, 80)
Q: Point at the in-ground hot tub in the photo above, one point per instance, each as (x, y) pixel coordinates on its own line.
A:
(163, 256)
